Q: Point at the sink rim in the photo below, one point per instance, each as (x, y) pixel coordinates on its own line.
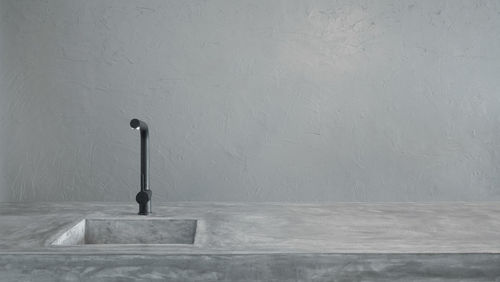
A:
(53, 240)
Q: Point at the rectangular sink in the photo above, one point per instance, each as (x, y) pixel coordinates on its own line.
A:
(129, 231)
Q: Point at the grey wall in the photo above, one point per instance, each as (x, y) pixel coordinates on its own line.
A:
(251, 100)
(8, 62)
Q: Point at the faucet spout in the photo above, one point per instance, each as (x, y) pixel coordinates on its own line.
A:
(144, 195)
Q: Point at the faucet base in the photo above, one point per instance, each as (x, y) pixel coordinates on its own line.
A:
(143, 198)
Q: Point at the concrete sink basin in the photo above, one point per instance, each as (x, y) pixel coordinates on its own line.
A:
(129, 231)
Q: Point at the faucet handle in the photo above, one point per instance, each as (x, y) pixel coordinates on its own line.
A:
(143, 197)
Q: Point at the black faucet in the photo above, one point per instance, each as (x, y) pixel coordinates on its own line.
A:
(144, 196)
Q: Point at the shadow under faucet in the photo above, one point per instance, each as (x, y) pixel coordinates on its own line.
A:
(144, 196)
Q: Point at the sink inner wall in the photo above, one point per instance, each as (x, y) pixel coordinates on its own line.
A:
(151, 231)
(129, 231)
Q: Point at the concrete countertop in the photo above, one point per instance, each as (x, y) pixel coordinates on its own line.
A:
(268, 228)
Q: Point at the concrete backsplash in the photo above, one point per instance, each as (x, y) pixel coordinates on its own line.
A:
(251, 100)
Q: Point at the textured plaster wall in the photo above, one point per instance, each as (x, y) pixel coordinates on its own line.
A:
(7, 64)
(251, 100)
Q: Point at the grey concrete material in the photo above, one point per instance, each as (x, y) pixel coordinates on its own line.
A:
(250, 228)
(256, 267)
(129, 231)
(251, 100)
(73, 236)
(262, 242)
(8, 70)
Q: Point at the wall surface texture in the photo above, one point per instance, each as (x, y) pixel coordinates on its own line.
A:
(291, 100)
(8, 64)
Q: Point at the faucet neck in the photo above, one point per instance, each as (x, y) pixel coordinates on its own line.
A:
(144, 159)
(144, 195)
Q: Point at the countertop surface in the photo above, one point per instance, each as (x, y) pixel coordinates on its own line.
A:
(243, 228)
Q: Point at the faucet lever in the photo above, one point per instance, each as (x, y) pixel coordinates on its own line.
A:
(142, 198)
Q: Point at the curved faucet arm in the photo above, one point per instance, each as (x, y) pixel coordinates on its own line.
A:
(140, 125)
